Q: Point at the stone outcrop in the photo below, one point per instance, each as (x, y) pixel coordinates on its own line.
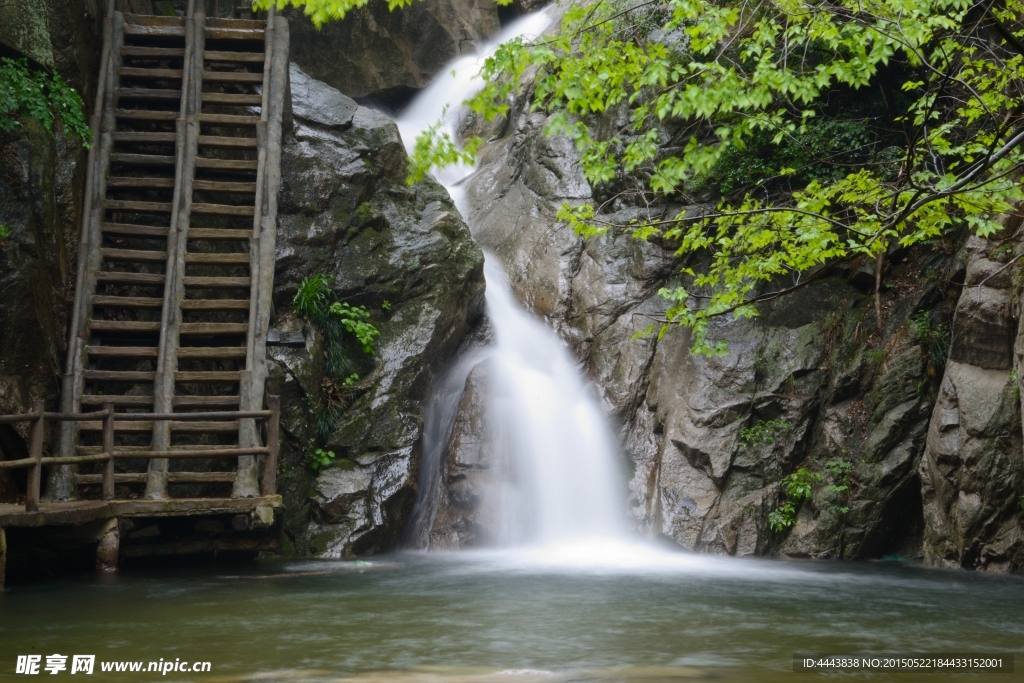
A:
(973, 469)
(406, 255)
(808, 383)
(386, 56)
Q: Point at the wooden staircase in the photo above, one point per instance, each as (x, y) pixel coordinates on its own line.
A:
(176, 258)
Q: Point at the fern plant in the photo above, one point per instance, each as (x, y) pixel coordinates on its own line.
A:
(41, 96)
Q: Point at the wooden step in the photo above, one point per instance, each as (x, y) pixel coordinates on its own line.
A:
(145, 51)
(241, 258)
(222, 209)
(222, 56)
(223, 142)
(141, 207)
(205, 402)
(142, 159)
(147, 115)
(142, 183)
(172, 478)
(224, 22)
(232, 77)
(123, 326)
(129, 451)
(219, 376)
(118, 400)
(211, 352)
(133, 255)
(214, 328)
(219, 234)
(234, 33)
(229, 119)
(118, 376)
(186, 427)
(226, 164)
(218, 186)
(215, 305)
(217, 282)
(153, 19)
(149, 94)
(143, 138)
(133, 230)
(132, 278)
(154, 31)
(122, 351)
(126, 301)
(151, 74)
(231, 98)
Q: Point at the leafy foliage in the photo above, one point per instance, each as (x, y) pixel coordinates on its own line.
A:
(41, 96)
(320, 458)
(749, 98)
(763, 432)
(839, 471)
(796, 487)
(5, 232)
(934, 341)
(355, 319)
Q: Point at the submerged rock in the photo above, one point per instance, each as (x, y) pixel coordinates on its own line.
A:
(406, 255)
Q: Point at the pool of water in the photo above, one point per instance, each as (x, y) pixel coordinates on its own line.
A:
(619, 612)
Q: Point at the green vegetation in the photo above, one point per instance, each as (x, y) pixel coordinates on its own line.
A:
(763, 432)
(343, 327)
(804, 134)
(934, 341)
(796, 487)
(322, 11)
(5, 232)
(839, 489)
(41, 96)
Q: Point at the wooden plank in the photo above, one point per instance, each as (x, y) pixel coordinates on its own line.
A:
(35, 452)
(136, 206)
(146, 51)
(121, 351)
(118, 376)
(191, 506)
(154, 31)
(205, 401)
(219, 376)
(142, 159)
(232, 77)
(241, 258)
(225, 427)
(216, 22)
(214, 328)
(131, 278)
(64, 514)
(234, 34)
(215, 305)
(226, 164)
(133, 255)
(223, 56)
(218, 186)
(232, 99)
(119, 401)
(229, 119)
(128, 452)
(108, 448)
(143, 137)
(223, 210)
(217, 282)
(126, 302)
(172, 478)
(141, 183)
(146, 115)
(152, 20)
(149, 94)
(211, 352)
(150, 74)
(224, 142)
(219, 234)
(269, 483)
(123, 326)
(133, 230)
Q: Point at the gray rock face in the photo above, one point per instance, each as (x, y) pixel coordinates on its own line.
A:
(803, 375)
(386, 55)
(406, 255)
(972, 471)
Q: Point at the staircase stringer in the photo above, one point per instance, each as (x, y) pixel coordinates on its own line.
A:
(60, 484)
(265, 237)
(187, 143)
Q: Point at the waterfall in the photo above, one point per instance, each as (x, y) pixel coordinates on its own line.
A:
(555, 453)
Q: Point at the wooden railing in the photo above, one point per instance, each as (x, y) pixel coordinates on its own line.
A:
(38, 417)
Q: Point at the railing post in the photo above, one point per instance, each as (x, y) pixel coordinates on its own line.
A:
(35, 451)
(273, 443)
(108, 448)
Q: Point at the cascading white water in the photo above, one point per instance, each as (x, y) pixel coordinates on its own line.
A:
(558, 458)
